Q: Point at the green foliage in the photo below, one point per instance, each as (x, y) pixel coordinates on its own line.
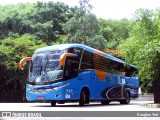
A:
(114, 31)
(12, 50)
(143, 46)
(41, 19)
(26, 27)
(12, 19)
(83, 27)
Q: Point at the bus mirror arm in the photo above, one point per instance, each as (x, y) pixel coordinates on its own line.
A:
(22, 61)
(64, 56)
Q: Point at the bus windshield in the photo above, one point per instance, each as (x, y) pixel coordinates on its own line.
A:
(45, 67)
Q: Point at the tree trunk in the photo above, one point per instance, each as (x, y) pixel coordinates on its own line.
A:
(156, 90)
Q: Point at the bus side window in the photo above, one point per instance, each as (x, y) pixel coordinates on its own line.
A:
(115, 67)
(130, 71)
(71, 67)
(120, 69)
(87, 61)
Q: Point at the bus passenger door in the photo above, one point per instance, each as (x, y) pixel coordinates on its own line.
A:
(122, 83)
(71, 73)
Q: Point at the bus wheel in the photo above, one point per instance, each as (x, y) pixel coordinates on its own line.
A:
(105, 102)
(83, 97)
(127, 99)
(53, 103)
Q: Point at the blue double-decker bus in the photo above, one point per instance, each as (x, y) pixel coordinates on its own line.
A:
(75, 72)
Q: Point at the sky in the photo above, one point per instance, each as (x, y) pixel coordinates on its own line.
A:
(106, 9)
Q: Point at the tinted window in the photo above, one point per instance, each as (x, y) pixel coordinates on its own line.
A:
(104, 64)
(130, 71)
(87, 61)
(71, 67)
(100, 63)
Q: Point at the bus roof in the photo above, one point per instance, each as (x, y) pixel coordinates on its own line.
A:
(87, 48)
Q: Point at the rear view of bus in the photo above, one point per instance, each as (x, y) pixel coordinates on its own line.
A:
(62, 73)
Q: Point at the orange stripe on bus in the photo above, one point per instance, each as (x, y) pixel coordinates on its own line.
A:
(101, 74)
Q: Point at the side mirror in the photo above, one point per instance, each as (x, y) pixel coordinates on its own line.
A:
(22, 61)
(63, 57)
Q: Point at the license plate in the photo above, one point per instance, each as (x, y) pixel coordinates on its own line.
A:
(40, 97)
(67, 96)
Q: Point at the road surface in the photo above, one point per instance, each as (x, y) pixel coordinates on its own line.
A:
(94, 109)
(93, 106)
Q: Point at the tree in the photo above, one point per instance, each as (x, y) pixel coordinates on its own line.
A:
(12, 50)
(24, 28)
(143, 48)
(41, 19)
(114, 31)
(47, 20)
(83, 27)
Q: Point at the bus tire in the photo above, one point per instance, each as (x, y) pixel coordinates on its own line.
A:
(127, 99)
(83, 97)
(53, 103)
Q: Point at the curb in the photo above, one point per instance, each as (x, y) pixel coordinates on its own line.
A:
(153, 105)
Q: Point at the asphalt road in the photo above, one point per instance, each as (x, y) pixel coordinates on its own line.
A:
(87, 109)
(95, 106)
